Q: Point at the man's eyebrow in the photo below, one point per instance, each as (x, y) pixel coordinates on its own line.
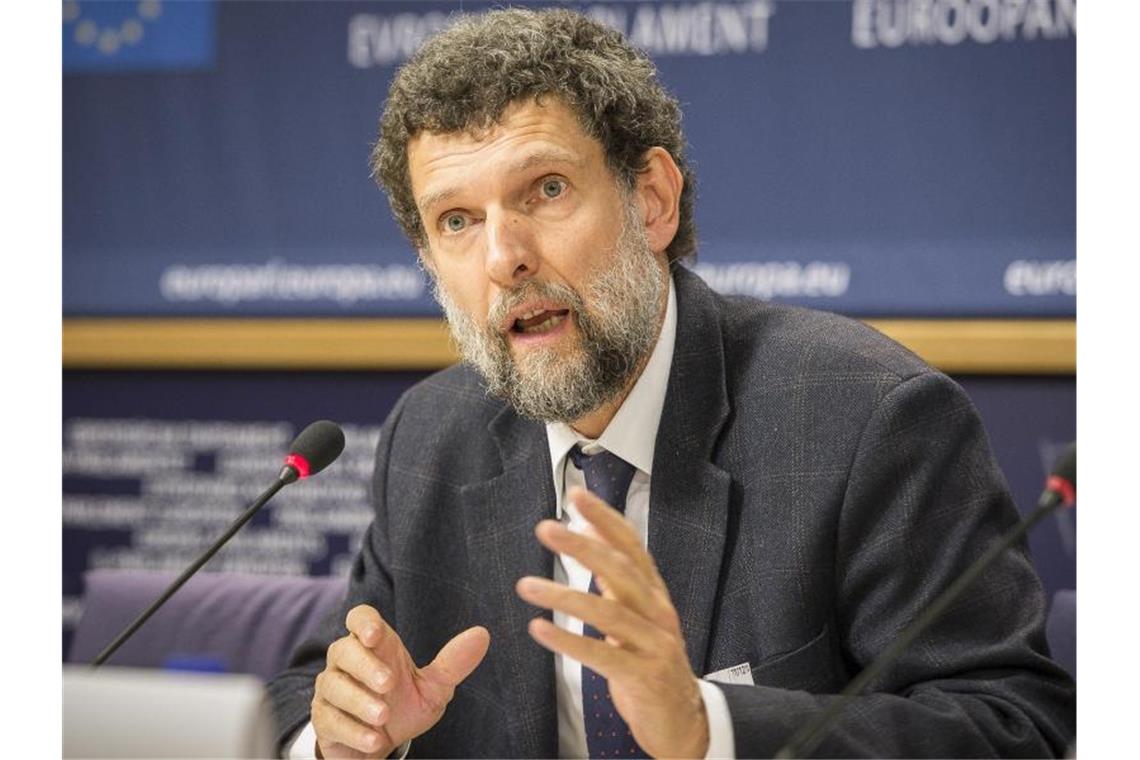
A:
(539, 158)
(546, 157)
(431, 200)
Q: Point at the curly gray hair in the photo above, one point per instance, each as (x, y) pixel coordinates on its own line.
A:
(465, 77)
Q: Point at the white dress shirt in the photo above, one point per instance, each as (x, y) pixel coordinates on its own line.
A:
(631, 435)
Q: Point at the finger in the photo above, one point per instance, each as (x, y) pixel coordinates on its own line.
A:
(366, 623)
(619, 574)
(369, 626)
(608, 616)
(348, 695)
(349, 655)
(614, 529)
(332, 725)
(458, 658)
(606, 660)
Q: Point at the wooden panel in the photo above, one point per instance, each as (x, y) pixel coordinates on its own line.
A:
(989, 346)
(955, 346)
(257, 343)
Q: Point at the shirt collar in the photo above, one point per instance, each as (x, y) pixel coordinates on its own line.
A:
(632, 433)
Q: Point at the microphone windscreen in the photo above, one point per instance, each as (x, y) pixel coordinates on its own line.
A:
(319, 444)
(1066, 465)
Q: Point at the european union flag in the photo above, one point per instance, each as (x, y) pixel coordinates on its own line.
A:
(146, 35)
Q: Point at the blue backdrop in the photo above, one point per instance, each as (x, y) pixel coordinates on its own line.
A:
(876, 157)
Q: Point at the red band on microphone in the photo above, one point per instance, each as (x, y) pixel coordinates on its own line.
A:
(298, 463)
(1059, 485)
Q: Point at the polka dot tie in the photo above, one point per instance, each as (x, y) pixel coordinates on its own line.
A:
(607, 735)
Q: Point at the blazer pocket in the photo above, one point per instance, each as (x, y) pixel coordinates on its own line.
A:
(808, 667)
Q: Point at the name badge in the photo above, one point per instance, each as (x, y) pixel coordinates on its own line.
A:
(739, 674)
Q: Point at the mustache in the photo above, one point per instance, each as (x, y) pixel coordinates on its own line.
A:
(511, 299)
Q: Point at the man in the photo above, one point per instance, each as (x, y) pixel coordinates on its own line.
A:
(786, 489)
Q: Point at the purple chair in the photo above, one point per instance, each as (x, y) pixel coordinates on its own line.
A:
(1061, 630)
(244, 623)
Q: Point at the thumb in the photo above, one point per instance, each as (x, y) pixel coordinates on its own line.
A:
(458, 658)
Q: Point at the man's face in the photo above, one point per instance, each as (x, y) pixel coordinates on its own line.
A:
(539, 258)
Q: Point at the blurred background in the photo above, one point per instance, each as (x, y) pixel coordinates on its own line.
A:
(230, 271)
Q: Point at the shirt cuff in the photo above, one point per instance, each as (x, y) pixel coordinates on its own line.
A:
(304, 746)
(721, 743)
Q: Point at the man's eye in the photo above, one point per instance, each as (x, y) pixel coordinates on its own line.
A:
(552, 188)
(454, 222)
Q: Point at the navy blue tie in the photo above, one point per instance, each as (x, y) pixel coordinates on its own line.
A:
(607, 734)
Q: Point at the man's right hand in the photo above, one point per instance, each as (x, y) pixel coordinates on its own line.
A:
(371, 697)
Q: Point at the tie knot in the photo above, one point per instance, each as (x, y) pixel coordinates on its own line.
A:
(607, 475)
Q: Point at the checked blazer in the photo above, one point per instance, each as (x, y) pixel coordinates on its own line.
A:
(815, 485)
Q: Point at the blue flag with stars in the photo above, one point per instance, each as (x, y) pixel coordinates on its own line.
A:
(147, 35)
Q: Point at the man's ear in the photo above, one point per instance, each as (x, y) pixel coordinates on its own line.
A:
(658, 189)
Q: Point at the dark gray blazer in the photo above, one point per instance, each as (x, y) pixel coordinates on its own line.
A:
(815, 485)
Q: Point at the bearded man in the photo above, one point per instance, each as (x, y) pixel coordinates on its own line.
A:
(631, 482)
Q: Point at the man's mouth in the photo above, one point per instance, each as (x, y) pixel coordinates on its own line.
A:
(539, 321)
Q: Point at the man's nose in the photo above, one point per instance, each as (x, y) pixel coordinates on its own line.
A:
(511, 253)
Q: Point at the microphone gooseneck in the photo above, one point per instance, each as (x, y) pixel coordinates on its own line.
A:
(312, 451)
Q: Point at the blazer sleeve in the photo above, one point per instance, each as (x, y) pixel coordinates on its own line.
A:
(924, 499)
(291, 691)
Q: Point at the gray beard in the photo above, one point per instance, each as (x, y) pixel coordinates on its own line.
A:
(617, 322)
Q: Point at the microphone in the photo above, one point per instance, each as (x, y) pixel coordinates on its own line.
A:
(1061, 485)
(1060, 490)
(312, 451)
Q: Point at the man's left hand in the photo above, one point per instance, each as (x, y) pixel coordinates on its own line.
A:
(643, 653)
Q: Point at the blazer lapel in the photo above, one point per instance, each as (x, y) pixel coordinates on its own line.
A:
(500, 516)
(689, 496)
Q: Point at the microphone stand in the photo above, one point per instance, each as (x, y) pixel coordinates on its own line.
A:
(282, 480)
(808, 737)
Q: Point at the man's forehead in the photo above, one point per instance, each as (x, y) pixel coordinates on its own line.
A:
(528, 118)
(528, 134)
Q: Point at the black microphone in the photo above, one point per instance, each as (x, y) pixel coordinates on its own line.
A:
(1060, 490)
(311, 451)
(1061, 485)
